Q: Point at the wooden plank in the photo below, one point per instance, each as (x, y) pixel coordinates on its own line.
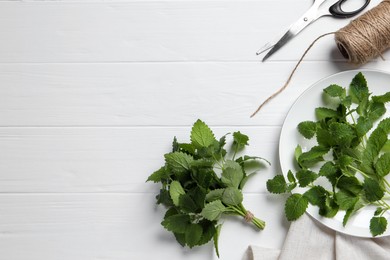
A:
(160, 94)
(118, 226)
(101, 31)
(107, 159)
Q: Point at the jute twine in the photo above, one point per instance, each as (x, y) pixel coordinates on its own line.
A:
(249, 216)
(366, 37)
(363, 39)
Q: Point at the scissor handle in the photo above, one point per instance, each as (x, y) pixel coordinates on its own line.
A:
(336, 10)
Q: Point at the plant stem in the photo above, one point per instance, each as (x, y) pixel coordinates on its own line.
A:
(361, 172)
(240, 210)
(386, 182)
(217, 162)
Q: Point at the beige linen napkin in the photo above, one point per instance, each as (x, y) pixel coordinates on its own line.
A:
(307, 240)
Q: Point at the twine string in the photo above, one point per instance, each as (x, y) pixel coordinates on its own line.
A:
(249, 216)
(363, 39)
(291, 74)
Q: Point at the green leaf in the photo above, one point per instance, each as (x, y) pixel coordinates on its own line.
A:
(382, 98)
(376, 110)
(297, 152)
(202, 162)
(208, 231)
(312, 156)
(245, 179)
(362, 108)
(305, 177)
(216, 239)
(232, 196)
(164, 198)
(176, 223)
(358, 88)
(187, 204)
(180, 238)
(201, 135)
(341, 133)
(214, 195)
(350, 184)
(193, 234)
(158, 175)
(372, 190)
(178, 162)
(346, 101)
(316, 195)
(382, 165)
(324, 138)
(175, 145)
(307, 129)
(277, 185)
(246, 158)
(175, 191)
(363, 125)
(378, 225)
(346, 200)
(335, 91)
(323, 112)
(330, 171)
(375, 143)
(221, 144)
(386, 147)
(240, 139)
(358, 205)
(290, 176)
(232, 176)
(213, 210)
(187, 148)
(329, 209)
(204, 177)
(295, 206)
(378, 211)
(198, 195)
(344, 161)
(385, 125)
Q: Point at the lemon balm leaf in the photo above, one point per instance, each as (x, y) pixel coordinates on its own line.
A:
(335, 90)
(378, 225)
(175, 191)
(213, 210)
(277, 185)
(201, 135)
(295, 206)
(307, 129)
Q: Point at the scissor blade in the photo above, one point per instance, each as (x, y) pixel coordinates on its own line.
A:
(269, 45)
(264, 48)
(286, 37)
(311, 15)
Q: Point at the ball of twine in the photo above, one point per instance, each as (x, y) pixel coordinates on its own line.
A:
(367, 36)
(363, 39)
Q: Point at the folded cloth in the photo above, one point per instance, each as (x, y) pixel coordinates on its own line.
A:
(307, 239)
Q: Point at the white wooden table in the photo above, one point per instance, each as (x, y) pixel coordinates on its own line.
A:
(92, 93)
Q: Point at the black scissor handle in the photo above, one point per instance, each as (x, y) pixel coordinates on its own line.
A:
(336, 10)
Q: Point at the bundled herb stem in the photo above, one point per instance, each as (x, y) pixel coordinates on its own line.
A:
(200, 183)
(359, 155)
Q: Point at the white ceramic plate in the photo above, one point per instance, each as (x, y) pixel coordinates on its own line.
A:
(302, 110)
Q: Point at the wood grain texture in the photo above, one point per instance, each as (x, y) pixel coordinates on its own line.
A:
(155, 31)
(116, 226)
(120, 159)
(92, 93)
(158, 94)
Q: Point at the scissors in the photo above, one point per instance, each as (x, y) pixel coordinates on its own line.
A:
(318, 9)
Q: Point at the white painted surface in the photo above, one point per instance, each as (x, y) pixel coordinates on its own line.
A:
(92, 93)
